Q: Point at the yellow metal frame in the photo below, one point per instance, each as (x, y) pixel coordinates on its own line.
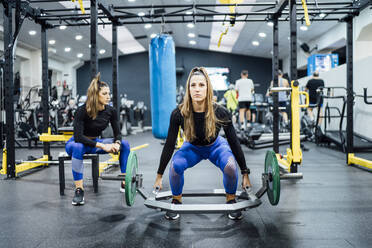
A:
(49, 137)
(81, 5)
(115, 158)
(294, 154)
(352, 159)
(23, 166)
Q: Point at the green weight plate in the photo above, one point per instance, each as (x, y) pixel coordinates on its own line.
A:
(273, 184)
(130, 179)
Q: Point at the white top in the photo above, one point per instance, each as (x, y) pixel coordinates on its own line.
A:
(244, 87)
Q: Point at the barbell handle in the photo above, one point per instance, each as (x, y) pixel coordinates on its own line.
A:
(277, 89)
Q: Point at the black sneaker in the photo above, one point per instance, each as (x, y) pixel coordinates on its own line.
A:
(234, 215)
(122, 187)
(171, 215)
(79, 197)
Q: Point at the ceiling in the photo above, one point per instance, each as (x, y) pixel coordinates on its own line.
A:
(247, 32)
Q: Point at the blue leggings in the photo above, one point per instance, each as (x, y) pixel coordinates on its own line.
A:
(219, 153)
(77, 150)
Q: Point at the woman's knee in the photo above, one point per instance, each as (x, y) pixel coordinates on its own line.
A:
(178, 165)
(124, 145)
(77, 150)
(231, 170)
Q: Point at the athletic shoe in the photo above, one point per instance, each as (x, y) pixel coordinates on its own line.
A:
(234, 215)
(79, 197)
(171, 215)
(122, 187)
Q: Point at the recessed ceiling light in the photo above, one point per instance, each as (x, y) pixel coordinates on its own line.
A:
(131, 1)
(188, 12)
(148, 25)
(32, 32)
(78, 37)
(52, 42)
(255, 43)
(271, 52)
(141, 14)
(79, 55)
(190, 25)
(270, 23)
(192, 42)
(262, 35)
(67, 49)
(303, 28)
(322, 15)
(153, 36)
(102, 51)
(89, 45)
(191, 35)
(62, 27)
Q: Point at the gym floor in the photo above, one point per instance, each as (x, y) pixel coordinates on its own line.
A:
(330, 207)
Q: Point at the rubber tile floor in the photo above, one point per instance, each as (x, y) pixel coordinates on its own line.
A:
(330, 207)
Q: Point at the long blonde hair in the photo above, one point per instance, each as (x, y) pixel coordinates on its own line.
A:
(186, 109)
(92, 96)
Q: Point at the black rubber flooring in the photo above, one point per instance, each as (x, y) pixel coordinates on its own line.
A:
(330, 207)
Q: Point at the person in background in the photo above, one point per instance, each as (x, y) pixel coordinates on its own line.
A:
(245, 89)
(312, 85)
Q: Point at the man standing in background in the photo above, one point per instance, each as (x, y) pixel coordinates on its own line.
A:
(312, 85)
(245, 89)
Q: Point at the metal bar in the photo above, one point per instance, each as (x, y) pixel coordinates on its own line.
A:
(275, 73)
(279, 8)
(188, 21)
(45, 87)
(196, 193)
(93, 39)
(365, 96)
(115, 69)
(9, 89)
(291, 176)
(293, 59)
(349, 86)
(201, 208)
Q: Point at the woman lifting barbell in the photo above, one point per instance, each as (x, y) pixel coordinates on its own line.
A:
(201, 120)
(89, 121)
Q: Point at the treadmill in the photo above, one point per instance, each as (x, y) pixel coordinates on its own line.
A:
(338, 137)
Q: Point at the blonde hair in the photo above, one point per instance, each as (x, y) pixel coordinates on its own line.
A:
(92, 96)
(186, 108)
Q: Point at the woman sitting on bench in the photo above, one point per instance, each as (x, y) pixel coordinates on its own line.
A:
(89, 121)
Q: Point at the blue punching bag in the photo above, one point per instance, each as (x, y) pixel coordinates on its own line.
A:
(162, 58)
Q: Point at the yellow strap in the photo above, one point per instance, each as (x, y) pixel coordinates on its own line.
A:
(306, 13)
(81, 6)
(222, 34)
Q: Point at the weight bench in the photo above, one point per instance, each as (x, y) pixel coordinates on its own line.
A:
(95, 169)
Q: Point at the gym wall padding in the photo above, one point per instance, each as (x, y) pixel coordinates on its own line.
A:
(162, 65)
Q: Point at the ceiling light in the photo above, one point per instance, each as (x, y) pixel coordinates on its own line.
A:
(303, 28)
(148, 25)
(153, 36)
(52, 42)
(79, 55)
(262, 35)
(192, 42)
(190, 25)
(62, 27)
(141, 14)
(67, 49)
(32, 32)
(255, 43)
(188, 12)
(89, 45)
(270, 23)
(322, 15)
(191, 35)
(102, 51)
(78, 37)
(131, 1)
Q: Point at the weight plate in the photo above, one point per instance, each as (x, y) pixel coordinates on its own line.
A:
(130, 179)
(273, 183)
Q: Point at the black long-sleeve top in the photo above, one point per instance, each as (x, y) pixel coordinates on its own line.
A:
(225, 122)
(85, 126)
